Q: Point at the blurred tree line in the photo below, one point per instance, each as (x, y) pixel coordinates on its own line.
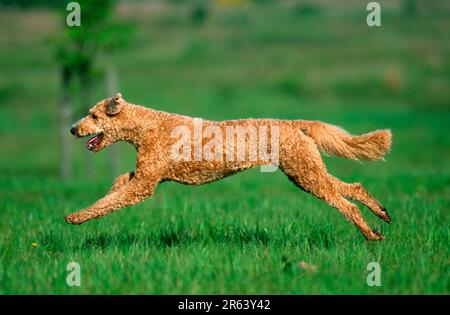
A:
(200, 8)
(78, 50)
(31, 3)
(83, 54)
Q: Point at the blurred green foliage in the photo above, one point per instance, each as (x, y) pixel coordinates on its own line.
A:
(31, 3)
(100, 31)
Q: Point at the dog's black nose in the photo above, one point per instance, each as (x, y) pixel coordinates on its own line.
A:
(73, 131)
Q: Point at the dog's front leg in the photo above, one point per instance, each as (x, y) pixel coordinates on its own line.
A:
(121, 181)
(133, 192)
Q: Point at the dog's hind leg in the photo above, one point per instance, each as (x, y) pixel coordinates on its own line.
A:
(304, 166)
(352, 213)
(357, 192)
(324, 190)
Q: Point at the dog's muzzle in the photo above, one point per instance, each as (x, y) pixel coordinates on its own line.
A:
(73, 131)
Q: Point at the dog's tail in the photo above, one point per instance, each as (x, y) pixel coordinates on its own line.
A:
(335, 141)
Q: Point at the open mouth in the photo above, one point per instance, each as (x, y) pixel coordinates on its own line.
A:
(93, 142)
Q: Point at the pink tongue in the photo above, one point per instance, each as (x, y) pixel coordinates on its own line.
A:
(93, 140)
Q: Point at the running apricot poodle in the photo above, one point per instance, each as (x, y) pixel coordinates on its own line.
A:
(164, 153)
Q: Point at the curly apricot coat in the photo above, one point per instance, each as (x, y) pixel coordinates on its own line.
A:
(299, 141)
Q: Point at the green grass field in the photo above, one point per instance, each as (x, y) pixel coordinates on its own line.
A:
(247, 233)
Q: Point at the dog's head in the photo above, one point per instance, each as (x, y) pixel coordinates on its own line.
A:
(103, 123)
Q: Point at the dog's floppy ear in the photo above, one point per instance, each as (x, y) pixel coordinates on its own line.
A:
(115, 104)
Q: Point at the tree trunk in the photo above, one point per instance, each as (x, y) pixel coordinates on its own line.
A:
(111, 85)
(65, 122)
(86, 81)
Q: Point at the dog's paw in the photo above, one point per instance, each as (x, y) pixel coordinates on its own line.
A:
(385, 216)
(374, 236)
(72, 219)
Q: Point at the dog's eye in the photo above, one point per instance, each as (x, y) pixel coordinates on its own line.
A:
(94, 116)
